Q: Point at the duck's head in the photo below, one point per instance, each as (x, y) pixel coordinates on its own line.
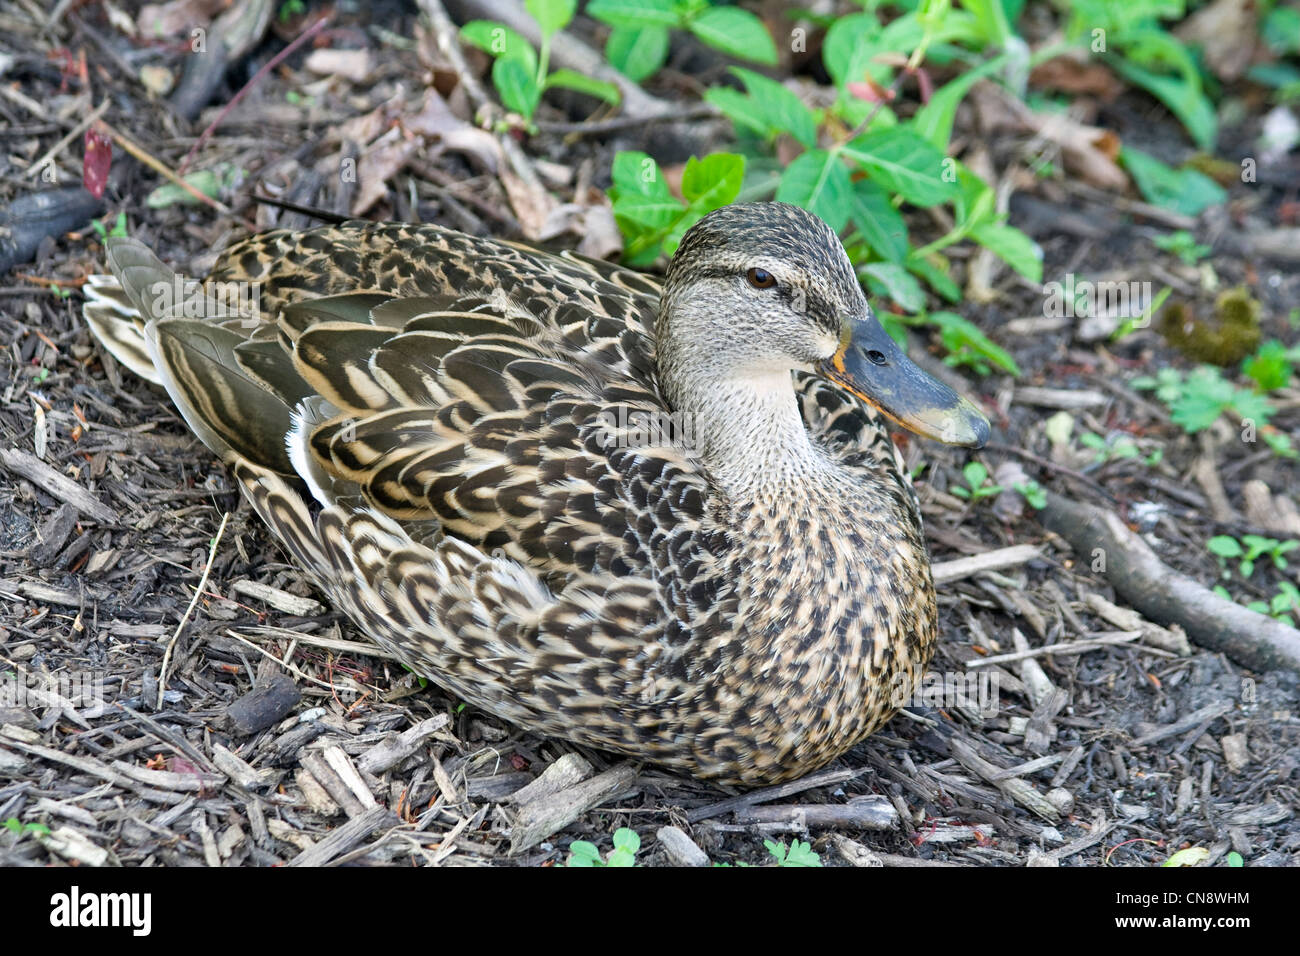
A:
(759, 289)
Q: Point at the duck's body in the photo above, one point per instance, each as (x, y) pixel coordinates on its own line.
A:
(565, 497)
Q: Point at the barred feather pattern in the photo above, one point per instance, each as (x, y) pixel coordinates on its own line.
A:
(442, 430)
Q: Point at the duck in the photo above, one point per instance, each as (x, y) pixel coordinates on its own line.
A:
(659, 517)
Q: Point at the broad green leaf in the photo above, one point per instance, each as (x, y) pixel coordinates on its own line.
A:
(551, 15)
(1013, 247)
(879, 223)
(903, 163)
(897, 283)
(501, 42)
(713, 181)
(637, 51)
(516, 86)
(1188, 857)
(636, 172)
(1224, 546)
(819, 182)
(960, 334)
(846, 49)
(570, 80)
(736, 32)
(648, 212)
(1184, 190)
(781, 109)
(634, 13)
(742, 110)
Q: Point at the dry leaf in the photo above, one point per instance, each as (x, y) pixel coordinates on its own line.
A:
(382, 160)
(1226, 30)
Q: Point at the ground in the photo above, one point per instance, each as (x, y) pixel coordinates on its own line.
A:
(1145, 752)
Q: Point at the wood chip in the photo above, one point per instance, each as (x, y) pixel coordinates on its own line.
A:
(539, 819)
(1235, 752)
(946, 572)
(280, 600)
(393, 750)
(57, 484)
(570, 769)
(680, 848)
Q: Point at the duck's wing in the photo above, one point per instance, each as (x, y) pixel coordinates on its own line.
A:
(463, 470)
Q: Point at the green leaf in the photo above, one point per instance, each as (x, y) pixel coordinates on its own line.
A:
(516, 86)
(1188, 857)
(1013, 247)
(964, 339)
(626, 838)
(781, 109)
(713, 181)
(1224, 546)
(637, 51)
(634, 13)
(634, 171)
(570, 80)
(903, 163)
(939, 280)
(846, 50)
(1182, 190)
(551, 15)
(819, 182)
(881, 225)
(897, 283)
(736, 32)
(501, 42)
(1281, 30)
(742, 110)
(648, 212)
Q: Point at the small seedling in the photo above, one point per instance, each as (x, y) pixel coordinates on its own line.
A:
(626, 845)
(20, 829)
(1250, 549)
(798, 854)
(976, 476)
(1184, 245)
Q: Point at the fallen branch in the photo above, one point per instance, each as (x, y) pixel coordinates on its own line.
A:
(1144, 581)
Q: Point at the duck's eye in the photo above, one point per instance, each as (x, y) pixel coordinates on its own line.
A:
(760, 278)
(877, 358)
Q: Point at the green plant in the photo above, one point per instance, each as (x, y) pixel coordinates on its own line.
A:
(1250, 549)
(20, 829)
(118, 230)
(637, 45)
(1272, 365)
(1131, 39)
(290, 9)
(1198, 399)
(1118, 448)
(976, 476)
(798, 854)
(650, 217)
(1184, 190)
(1182, 244)
(520, 73)
(626, 846)
(1033, 492)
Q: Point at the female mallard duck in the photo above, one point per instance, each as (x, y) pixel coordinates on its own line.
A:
(603, 510)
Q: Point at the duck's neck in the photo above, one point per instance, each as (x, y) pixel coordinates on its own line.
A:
(747, 430)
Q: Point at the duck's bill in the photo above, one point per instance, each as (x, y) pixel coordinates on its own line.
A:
(870, 364)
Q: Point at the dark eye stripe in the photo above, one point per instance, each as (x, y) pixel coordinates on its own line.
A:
(760, 278)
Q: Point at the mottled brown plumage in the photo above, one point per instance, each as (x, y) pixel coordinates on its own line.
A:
(644, 522)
